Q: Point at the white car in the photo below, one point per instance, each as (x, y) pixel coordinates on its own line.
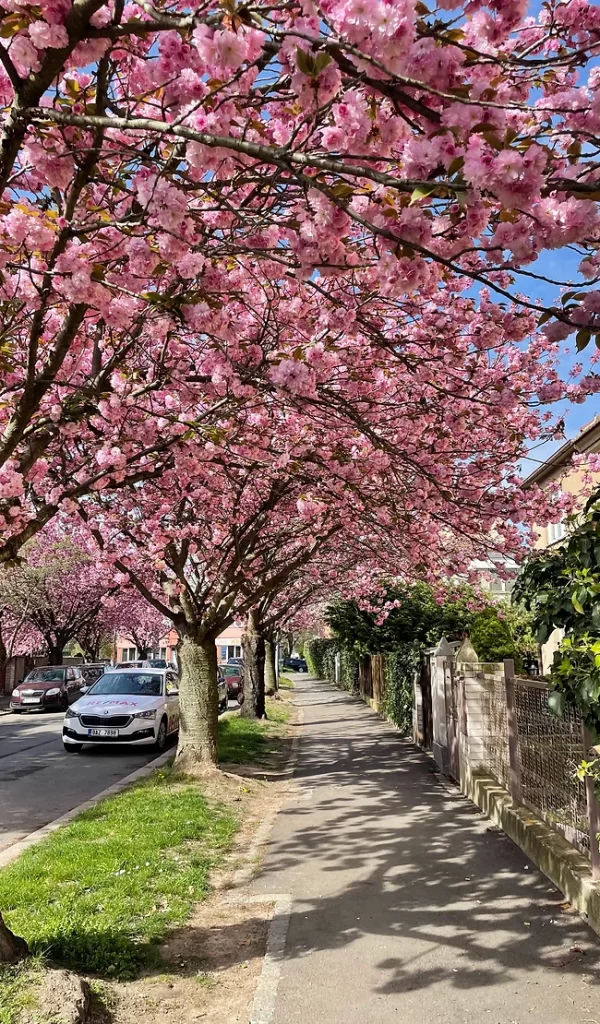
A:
(139, 706)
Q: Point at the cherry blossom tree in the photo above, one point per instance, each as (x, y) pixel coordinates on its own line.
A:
(171, 172)
(57, 594)
(137, 621)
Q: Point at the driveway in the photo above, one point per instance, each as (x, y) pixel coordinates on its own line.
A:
(39, 781)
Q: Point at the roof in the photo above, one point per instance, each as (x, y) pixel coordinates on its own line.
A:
(587, 440)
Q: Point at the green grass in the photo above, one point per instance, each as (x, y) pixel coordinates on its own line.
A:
(248, 740)
(285, 683)
(17, 989)
(100, 894)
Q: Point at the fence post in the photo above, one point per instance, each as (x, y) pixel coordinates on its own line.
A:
(513, 735)
(592, 808)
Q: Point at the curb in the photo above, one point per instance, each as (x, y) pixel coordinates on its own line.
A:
(13, 852)
(568, 869)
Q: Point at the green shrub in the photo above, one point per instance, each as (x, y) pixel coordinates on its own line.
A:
(314, 652)
(349, 672)
(400, 669)
(491, 637)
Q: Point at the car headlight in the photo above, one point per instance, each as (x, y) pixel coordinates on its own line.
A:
(16, 693)
(145, 714)
(71, 714)
(53, 692)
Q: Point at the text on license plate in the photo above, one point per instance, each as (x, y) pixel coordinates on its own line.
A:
(103, 732)
(32, 700)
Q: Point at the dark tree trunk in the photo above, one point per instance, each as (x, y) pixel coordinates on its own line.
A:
(198, 704)
(253, 652)
(271, 684)
(12, 948)
(143, 652)
(3, 662)
(55, 652)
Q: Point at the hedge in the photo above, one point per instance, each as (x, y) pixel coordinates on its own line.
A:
(400, 669)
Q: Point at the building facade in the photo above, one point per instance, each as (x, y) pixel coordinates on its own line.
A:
(228, 644)
(559, 468)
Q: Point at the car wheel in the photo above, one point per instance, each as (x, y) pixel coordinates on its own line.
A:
(73, 748)
(161, 739)
(15, 712)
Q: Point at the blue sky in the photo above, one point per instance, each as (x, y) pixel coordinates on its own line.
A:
(560, 265)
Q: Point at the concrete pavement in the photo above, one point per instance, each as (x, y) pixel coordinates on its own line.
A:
(406, 904)
(39, 781)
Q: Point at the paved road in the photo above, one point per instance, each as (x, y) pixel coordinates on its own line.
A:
(407, 905)
(39, 781)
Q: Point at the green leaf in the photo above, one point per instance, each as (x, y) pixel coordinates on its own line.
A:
(322, 60)
(456, 165)
(578, 599)
(305, 62)
(421, 192)
(583, 336)
(556, 702)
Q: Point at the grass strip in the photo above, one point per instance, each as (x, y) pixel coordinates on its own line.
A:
(248, 740)
(99, 894)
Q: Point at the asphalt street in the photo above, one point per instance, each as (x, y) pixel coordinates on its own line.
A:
(39, 781)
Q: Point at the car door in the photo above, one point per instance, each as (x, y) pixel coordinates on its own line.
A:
(172, 691)
(78, 682)
(70, 684)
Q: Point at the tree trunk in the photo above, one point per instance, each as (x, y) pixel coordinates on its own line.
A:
(54, 653)
(198, 704)
(270, 670)
(253, 651)
(12, 948)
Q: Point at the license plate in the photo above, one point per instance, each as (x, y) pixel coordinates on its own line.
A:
(32, 700)
(103, 732)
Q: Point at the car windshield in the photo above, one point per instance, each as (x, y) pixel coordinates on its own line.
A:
(46, 675)
(158, 663)
(232, 670)
(136, 684)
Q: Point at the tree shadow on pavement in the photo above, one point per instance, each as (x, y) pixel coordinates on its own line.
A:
(393, 854)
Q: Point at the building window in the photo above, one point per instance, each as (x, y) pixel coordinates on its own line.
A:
(556, 532)
(223, 650)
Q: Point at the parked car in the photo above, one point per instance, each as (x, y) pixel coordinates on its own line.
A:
(141, 663)
(222, 690)
(91, 671)
(296, 664)
(48, 688)
(235, 661)
(138, 707)
(234, 677)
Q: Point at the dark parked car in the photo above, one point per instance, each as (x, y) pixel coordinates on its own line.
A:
(296, 664)
(49, 687)
(234, 677)
(222, 690)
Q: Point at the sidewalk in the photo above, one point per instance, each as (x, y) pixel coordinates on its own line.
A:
(407, 905)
